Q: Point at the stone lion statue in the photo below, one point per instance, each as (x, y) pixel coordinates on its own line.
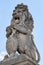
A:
(19, 34)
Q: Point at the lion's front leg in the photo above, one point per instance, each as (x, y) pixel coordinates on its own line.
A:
(11, 45)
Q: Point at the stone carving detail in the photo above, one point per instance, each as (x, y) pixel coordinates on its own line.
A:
(19, 34)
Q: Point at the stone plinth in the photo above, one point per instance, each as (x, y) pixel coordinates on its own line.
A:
(19, 60)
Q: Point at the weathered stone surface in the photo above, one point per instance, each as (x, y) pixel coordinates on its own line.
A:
(19, 33)
(19, 60)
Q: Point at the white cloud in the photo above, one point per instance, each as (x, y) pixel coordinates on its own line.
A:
(2, 54)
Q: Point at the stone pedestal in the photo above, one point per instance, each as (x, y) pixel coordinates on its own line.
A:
(19, 60)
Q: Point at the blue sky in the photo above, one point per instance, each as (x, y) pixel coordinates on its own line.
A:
(36, 9)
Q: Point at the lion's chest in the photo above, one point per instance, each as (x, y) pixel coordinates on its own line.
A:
(24, 41)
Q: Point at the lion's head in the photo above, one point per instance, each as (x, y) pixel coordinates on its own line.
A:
(21, 14)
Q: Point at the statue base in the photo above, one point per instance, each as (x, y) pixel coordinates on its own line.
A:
(19, 60)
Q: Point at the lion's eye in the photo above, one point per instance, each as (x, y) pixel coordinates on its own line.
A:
(19, 11)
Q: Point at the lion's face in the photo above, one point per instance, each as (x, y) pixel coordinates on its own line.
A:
(22, 16)
(19, 15)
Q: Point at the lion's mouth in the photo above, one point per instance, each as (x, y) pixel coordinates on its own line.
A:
(17, 19)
